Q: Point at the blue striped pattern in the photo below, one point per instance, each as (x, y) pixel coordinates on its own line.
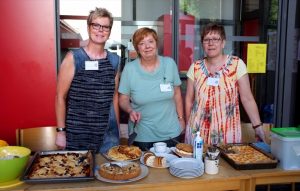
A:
(88, 103)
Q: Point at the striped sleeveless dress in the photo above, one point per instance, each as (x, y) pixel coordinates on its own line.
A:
(89, 103)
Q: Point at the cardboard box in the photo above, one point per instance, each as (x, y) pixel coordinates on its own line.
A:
(285, 146)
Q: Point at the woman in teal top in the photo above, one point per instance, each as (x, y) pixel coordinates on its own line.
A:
(150, 93)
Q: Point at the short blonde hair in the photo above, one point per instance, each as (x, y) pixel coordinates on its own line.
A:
(100, 12)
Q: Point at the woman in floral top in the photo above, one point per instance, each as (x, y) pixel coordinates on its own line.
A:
(213, 89)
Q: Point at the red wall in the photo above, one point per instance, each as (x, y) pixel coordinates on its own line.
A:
(27, 65)
(250, 28)
(186, 47)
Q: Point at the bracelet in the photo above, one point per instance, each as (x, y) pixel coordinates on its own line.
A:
(59, 129)
(255, 126)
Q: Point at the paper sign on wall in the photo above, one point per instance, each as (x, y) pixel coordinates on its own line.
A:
(257, 58)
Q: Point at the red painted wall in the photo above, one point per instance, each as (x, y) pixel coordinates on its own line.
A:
(186, 47)
(27, 65)
(250, 28)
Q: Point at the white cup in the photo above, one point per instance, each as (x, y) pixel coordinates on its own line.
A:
(211, 166)
(160, 147)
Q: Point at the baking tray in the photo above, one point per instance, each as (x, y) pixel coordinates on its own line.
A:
(250, 166)
(90, 156)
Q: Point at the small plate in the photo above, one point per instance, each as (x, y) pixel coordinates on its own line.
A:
(144, 173)
(168, 150)
(169, 158)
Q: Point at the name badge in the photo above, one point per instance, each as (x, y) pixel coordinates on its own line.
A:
(213, 81)
(165, 87)
(91, 65)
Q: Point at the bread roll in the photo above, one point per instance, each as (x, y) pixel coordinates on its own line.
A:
(184, 149)
(147, 155)
(155, 161)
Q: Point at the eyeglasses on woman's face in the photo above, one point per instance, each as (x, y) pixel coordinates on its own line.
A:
(97, 26)
(213, 40)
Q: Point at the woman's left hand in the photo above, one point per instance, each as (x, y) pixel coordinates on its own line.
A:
(260, 134)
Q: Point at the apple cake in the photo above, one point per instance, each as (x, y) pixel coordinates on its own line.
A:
(121, 171)
(245, 154)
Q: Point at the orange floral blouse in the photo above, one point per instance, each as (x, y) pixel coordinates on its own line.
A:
(215, 111)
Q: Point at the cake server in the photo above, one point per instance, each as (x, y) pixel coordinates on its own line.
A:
(133, 135)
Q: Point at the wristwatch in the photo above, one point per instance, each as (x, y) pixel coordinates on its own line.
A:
(256, 126)
(59, 129)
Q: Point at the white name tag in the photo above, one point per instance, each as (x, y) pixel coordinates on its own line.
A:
(165, 87)
(91, 65)
(213, 81)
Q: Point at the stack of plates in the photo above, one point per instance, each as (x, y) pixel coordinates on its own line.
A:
(186, 167)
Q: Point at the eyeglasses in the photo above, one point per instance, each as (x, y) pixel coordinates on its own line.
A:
(213, 40)
(97, 26)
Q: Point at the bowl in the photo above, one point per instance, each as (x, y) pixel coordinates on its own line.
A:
(3, 143)
(13, 160)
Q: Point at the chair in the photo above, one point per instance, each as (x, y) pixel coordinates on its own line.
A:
(37, 138)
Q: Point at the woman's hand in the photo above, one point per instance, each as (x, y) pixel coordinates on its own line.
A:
(60, 140)
(260, 134)
(135, 116)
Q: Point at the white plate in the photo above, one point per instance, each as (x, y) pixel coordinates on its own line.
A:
(168, 150)
(144, 173)
(186, 168)
(186, 163)
(169, 158)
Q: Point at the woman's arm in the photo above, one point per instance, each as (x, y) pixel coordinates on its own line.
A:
(250, 106)
(116, 98)
(179, 107)
(124, 103)
(65, 77)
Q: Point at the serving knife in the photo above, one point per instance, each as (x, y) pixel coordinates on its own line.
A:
(133, 135)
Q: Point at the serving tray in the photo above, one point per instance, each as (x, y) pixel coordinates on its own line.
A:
(228, 153)
(86, 159)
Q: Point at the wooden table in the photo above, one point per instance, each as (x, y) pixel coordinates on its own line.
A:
(161, 180)
(157, 179)
(271, 176)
